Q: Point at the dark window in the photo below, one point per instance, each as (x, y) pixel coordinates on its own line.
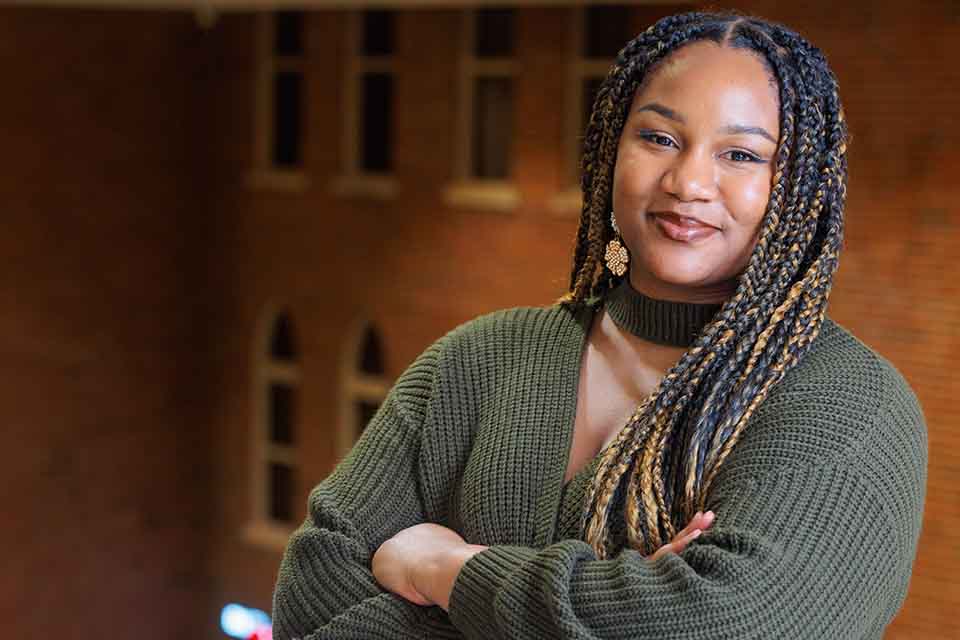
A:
(365, 410)
(376, 96)
(282, 344)
(607, 29)
(371, 353)
(288, 33)
(494, 33)
(378, 29)
(282, 413)
(280, 492)
(287, 97)
(492, 127)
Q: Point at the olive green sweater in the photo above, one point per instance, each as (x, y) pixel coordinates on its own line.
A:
(818, 506)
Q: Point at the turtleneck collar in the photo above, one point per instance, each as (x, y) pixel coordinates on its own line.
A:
(660, 321)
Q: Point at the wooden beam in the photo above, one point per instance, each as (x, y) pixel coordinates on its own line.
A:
(268, 5)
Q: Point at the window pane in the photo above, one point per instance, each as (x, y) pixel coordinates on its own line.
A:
(371, 353)
(492, 127)
(376, 96)
(280, 492)
(282, 346)
(377, 37)
(607, 29)
(281, 413)
(494, 33)
(365, 410)
(287, 96)
(288, 33)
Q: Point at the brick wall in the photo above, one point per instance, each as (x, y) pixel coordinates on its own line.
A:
(105, 483)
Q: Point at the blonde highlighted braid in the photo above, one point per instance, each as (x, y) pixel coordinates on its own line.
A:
(669, 452)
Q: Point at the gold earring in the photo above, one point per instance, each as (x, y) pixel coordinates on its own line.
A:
(616, 255)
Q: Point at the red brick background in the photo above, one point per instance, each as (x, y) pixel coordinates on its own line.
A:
(137, 262)
(106, 379)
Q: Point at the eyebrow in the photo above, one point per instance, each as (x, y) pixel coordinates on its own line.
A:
(666, 112)
(733, 129)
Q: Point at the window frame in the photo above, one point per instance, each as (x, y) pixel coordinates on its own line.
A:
(580, 68)
(353, 181)
(466, 190)
(356, 385)
(261, 529)
(265, 175)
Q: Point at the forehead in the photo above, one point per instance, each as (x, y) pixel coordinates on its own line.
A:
(705, 74)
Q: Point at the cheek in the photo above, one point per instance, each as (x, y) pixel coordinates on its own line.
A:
(746, 203)
(632, 175)
(747, 200)
(621, 172)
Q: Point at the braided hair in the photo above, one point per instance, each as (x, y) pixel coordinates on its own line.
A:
(663, 461)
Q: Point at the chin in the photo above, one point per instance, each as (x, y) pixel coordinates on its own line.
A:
(682, 271)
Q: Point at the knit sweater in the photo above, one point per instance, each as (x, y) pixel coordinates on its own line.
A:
(818, 506)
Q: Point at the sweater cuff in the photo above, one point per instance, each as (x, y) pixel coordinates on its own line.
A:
(472, 601)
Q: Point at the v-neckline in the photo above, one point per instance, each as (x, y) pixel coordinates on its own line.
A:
(555, 489)
(570, 426)
(593, 314)
(674, 322)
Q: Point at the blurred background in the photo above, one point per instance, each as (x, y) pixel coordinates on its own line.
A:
(228, 226)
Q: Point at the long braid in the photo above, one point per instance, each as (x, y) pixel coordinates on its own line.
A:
(669, 452)
(795, 326)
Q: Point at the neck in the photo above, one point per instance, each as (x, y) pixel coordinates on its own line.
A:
(664, 322)
(709, 294)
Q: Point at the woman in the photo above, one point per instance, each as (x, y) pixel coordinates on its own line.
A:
(684, 446)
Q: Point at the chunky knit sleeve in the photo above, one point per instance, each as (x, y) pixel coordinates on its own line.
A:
(814, 546)
(325, 588)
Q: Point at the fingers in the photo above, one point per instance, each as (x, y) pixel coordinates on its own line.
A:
(678, 544)
(697, 525)
(700, 520)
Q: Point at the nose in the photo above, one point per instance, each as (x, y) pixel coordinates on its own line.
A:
(691, 176)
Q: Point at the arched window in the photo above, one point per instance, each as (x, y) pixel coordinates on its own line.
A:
(364, 384)
(275, 429)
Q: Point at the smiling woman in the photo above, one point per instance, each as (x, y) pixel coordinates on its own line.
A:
(684, 445)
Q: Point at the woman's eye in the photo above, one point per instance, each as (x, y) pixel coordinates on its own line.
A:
(742, 156)
(657, 139)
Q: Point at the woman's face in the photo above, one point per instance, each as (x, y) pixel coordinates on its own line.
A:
(693, 171)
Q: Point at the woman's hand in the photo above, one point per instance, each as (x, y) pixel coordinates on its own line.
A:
(421, 563)
(699, 523)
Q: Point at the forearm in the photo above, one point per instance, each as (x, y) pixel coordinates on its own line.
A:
(381, 617)
(435, 579)
(326, 571)
(323, 575)
(785, 565)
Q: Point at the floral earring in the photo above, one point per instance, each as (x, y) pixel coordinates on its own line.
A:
(616, 255)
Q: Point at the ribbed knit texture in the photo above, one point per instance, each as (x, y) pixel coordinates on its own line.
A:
(818, 506)
(671, 323)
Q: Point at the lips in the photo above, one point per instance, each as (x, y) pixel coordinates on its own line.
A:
(682, 228)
